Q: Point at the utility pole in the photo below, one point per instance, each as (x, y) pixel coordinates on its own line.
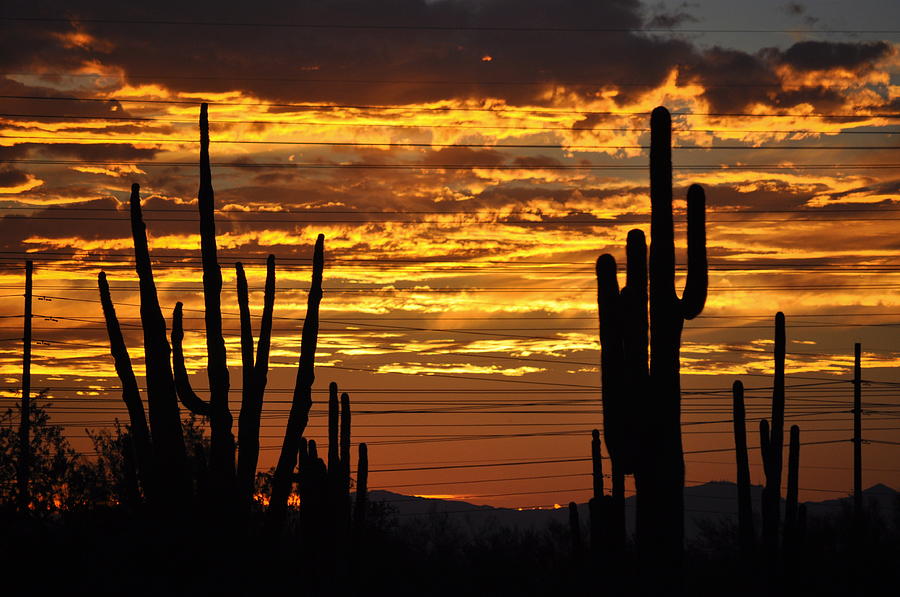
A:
(857, 433)
(24, 465)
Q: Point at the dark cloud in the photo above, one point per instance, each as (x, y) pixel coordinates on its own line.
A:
(11, 177)
(390, 66)
(796, 9)
(663, 18)
(733, 79)
(90, 152)
(344, 65)
(825, 55)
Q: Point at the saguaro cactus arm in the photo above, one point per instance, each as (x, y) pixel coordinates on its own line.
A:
(186, 394)
(764, 445)
(634, 297)
(793, 478)
(333, 429)
(597, 464)
(612, 361)
(345, 441)
(694, 296)
(362, 489)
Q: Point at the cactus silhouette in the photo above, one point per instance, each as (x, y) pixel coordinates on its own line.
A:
(362, 496)
(746, 533)
(166, 480)
(791, 508)
(575, 531)
(255, 377)
(160, 453)
(298, 417)
(325, 513)
(139, 432)
(771, 440)
(606, 518)
(648, 443)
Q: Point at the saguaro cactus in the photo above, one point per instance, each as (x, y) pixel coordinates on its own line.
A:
(747, 536)
(623, 367)
(772, 447)
(657, 460)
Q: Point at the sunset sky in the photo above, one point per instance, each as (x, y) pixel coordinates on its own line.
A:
(467, 161)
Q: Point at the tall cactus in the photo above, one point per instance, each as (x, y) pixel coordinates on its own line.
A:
(746, 533)
(595, 504)
(139, 432)
(222, 445)
(302, 398)
(360, 504)
(255, 377)
(170, 476)
(772, 448)
(623, 367)
(657, 457)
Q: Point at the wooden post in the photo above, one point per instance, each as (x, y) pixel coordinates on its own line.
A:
(24, 464)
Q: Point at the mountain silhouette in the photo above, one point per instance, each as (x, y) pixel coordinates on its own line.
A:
(713, 501)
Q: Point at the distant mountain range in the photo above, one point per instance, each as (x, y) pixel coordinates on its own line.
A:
(711, 501)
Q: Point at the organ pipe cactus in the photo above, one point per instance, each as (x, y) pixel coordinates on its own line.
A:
(166, 481)
(325, 512)
(301, 402)
(168, 382)
(255, 378)
(235, 486)
(649, 443)
(747, 536)
(139, 432)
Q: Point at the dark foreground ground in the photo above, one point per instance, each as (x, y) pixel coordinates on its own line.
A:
(114, 552)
